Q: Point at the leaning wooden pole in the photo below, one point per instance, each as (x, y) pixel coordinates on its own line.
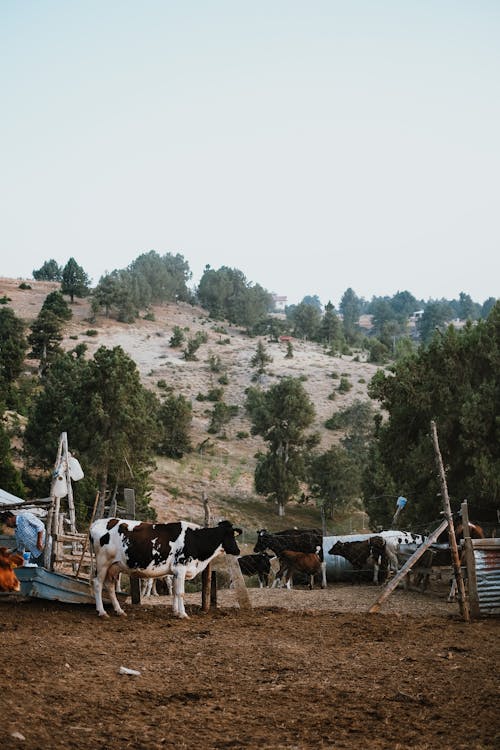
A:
(84, 545)
(407, 567)
(455, 558)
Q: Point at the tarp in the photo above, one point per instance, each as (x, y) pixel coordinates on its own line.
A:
(7, 499)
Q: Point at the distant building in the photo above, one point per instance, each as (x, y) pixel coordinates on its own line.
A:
(279, 302)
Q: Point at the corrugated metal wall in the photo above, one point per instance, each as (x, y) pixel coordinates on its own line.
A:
(487, 561)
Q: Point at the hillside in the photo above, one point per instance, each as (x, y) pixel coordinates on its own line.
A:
(224, 468)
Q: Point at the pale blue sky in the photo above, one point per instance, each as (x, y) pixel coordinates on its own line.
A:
(314, 145)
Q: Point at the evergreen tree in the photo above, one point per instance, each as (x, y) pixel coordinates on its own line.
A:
(55, 302)
(334, 479)
(281, 415)
(175, 416)
(261, 358)
(330, 329)
(350, 307)
(110, 418)
(10, 478)
(75, 281)
(45, 337)
(307, 321)
(454, 381)
(435, 316)
(13, 347)
(50, 271)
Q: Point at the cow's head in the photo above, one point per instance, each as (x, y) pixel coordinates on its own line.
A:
(262, 539)
(337, 548)
(228, 541)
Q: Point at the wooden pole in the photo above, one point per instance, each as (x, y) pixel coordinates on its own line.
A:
(206, 576)
(462, 599)
(84, 546)
(470, 563)
(71, 503)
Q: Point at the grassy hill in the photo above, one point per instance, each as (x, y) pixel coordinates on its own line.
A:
(222, 469)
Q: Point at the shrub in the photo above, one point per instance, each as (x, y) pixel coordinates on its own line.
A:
(344, 385)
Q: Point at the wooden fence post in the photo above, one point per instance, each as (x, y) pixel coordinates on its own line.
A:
(470, 563)
(206, 577)
(462, 599)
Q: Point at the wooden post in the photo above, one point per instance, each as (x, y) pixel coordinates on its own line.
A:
(206, 577)
(470, 563)
(135, 590)
(213, 591)
(84, 546)
(462, 599)
(71, 503)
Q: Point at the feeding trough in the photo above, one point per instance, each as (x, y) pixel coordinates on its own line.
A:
(40, 583)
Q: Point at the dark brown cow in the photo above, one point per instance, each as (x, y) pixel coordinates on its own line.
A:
(9, 561)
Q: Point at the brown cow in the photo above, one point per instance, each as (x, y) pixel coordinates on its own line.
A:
(9, 561)
(298, 562)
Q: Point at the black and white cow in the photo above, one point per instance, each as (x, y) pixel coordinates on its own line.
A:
(153, 550)
(297, 540)
(259, 565)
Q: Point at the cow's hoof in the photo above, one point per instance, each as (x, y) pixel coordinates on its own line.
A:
(121, 613)
(103, 614)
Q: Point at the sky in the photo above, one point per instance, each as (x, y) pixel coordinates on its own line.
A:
(315, 146)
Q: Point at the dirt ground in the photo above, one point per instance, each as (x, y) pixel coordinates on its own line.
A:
(300, 670)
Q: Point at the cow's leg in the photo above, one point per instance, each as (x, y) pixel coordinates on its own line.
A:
(99, 579)
(323, 575)
(146, 586)
(98, 582)
(375, 572)
(178, 600)
(168, 580)
(111, 586)
(393, 560)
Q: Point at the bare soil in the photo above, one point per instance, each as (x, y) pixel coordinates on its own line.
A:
(300, 670)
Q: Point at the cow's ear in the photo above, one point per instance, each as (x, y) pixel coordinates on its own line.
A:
(237, 531)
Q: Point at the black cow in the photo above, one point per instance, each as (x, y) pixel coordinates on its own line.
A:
(259, 565)
(153, 550)
(297, 540)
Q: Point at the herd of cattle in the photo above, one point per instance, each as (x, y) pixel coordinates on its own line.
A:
(171, 553)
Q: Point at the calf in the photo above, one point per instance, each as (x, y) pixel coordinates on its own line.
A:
(259, 564)
(153, 550)
(156, 587)
(298, 562)
(9, 561)
(297, 540)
